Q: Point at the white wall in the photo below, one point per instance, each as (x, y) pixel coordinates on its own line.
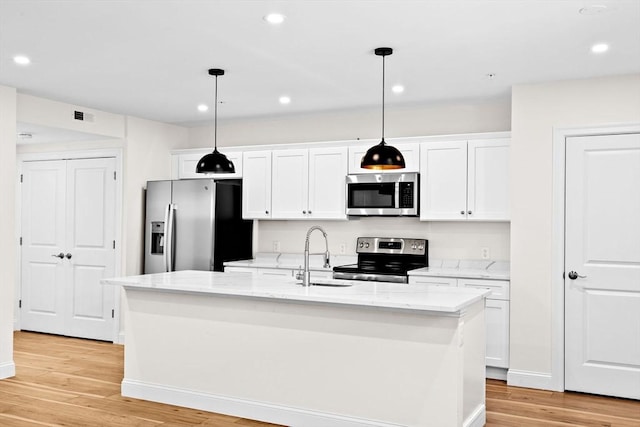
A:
(447, 240)
(488, 116)
(536, 110)
(146, 158)
(7, 227)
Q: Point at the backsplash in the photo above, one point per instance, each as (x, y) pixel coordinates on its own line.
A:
(447, 240)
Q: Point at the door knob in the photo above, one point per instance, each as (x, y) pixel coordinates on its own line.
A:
(573, 275)
(60, 255)
(68, 255)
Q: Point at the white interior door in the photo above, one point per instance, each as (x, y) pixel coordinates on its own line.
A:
(68, 229)
(602, 265)
(43, 244)
(90, 254)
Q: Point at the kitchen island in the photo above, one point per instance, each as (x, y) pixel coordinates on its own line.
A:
(373, 353)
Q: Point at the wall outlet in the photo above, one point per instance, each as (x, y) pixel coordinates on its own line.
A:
(276, 246)
(485, 253)
(343, 248)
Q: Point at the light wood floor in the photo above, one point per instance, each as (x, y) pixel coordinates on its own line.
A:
(71, 382)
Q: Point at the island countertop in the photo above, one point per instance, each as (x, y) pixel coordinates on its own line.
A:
(354, 293)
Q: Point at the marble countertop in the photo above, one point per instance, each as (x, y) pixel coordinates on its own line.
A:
(292, 261)
(471, 269)
(424, 298)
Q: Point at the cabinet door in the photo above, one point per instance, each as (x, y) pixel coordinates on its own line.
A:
(443, 181)
(488, 180)
(186, 165)
(290, 184)
(410, 152)
(256, 185)
(327, 172)
(497, 325)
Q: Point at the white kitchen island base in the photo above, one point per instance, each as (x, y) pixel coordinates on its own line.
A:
(301, 358)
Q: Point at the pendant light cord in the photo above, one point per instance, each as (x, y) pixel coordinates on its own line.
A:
(383, 98)
(215, 119)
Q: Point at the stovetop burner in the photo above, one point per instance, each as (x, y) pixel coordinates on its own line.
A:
(385, 259)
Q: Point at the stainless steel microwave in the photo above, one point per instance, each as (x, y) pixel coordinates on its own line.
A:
(385, 194)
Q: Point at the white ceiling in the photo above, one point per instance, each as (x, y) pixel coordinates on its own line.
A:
(149, 58)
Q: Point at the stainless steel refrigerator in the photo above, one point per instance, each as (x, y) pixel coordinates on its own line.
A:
(195, 224)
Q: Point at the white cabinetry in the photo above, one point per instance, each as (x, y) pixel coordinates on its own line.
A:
(303, 183)
(465, 180)
(496, 315)
(327, 172)
(184, 165)
(256, 185)
(410, 152)
(289, 184)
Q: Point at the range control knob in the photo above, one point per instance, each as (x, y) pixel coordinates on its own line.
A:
(366, 245)
(361, 245)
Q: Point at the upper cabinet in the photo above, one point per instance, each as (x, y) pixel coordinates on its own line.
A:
(184, 164)
(308, 183)
(410, 151)
(256, 185)
(465, 180)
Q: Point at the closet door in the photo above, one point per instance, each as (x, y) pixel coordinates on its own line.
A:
(89, 249)
(43, 272)
(68, 229)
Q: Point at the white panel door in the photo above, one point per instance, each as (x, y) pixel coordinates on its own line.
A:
(256, 185)
(43, 272)
(602, 265)
(327, 183)
(68, 216)
(488, 180)
(90, 254)
(290, 184)
(443, 181)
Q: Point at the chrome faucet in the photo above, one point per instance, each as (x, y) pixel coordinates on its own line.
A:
(306, 274)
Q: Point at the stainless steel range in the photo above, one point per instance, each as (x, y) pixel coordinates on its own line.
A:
(385, 259)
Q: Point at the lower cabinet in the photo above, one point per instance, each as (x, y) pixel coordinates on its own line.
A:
(496, 314)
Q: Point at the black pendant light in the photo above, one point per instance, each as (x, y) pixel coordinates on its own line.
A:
(382, 156)
(215, 162)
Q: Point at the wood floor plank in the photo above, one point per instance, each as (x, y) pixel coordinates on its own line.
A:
(74, 382)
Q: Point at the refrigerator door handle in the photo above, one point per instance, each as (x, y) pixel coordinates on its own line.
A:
(168, 233)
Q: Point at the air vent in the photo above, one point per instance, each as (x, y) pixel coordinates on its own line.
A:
(82, 116)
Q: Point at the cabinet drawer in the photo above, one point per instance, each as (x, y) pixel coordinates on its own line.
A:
(499, 288)
(435, 281)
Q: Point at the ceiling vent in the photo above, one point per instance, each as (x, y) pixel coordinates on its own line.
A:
(84, 117)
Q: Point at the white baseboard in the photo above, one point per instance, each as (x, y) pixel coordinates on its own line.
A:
(496, 373)
(478, 418)
(7, 370)
(260, 411)
(529, 379)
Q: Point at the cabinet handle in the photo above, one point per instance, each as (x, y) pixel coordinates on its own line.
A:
(309, 212)
(461, 212)
(304, 212)
(469, 212)
(267, 212)
(68, 255)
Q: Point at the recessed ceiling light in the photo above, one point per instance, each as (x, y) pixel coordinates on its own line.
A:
(202, 108)
(21, 59)
(599, 48)
(594, 9)
(274, 18)
(397, 89)
(284, 100)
